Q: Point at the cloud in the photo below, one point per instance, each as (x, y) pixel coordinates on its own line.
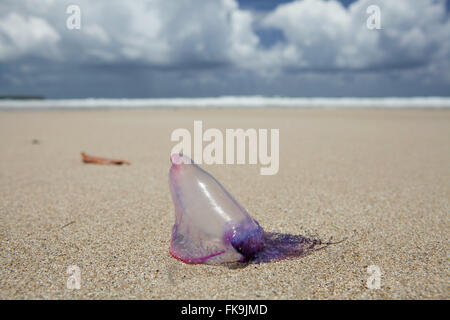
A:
(216, 46)
(21, 35)
(324, 35)
(158, 32)
(319, 35)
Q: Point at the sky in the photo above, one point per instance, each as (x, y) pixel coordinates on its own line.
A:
(208, 48)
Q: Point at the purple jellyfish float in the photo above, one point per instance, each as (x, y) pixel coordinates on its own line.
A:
(212, 227)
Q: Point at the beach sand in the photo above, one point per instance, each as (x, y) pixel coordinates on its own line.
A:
(379, 177)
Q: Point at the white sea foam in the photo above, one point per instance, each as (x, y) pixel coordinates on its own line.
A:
(230, 101)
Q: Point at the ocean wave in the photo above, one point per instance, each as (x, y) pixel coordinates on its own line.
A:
(229, 102)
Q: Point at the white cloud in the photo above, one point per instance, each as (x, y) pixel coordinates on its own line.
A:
(325, 35)
(20, 35)
(157, 32)
(319, 35)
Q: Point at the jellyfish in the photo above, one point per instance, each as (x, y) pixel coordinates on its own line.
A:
(211, 227)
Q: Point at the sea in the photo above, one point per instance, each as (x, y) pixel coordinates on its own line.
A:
(228, 102)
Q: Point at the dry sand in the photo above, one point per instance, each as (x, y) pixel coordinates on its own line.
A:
(379, 177)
